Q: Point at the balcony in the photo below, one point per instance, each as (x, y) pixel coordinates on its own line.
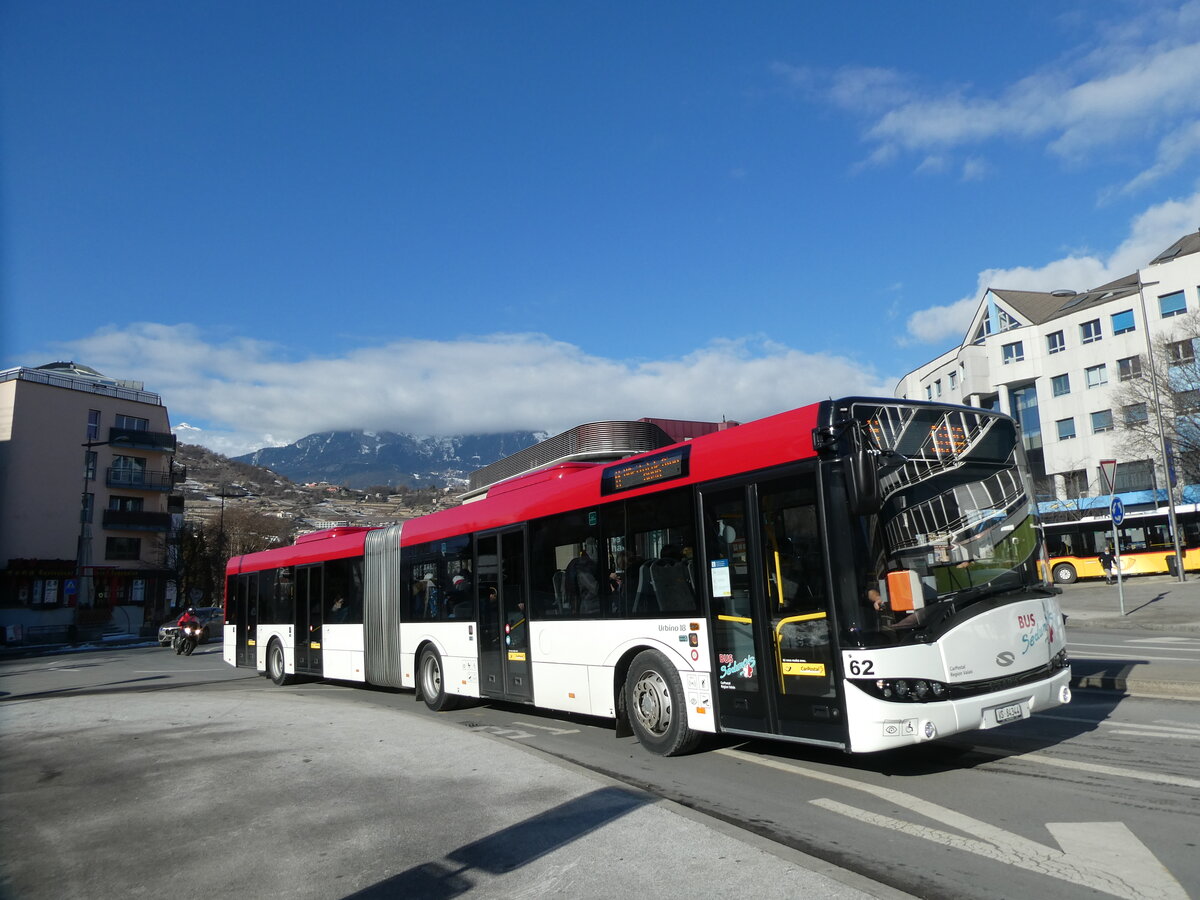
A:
(137, 479)
(134, 439)
(125, 520)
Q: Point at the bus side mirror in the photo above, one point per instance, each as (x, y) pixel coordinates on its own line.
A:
(862, 485)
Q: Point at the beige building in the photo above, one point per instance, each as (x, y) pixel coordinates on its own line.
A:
(85, 503)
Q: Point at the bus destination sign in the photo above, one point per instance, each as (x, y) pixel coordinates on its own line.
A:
(948, 439)
(664, 466)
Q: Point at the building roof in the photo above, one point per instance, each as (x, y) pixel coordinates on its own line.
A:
(1037, 307)
(1189, 243)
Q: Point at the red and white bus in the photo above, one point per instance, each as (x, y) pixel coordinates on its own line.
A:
(861, 574)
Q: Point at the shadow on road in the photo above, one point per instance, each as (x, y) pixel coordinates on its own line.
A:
(514, 847)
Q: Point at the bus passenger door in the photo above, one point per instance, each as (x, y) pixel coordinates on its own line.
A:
(768, 602)
(308, 619)
(791, 562)
(503, 628)
(738, 631)
(246, 602)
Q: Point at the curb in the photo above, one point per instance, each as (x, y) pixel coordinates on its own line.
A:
(1173, 690)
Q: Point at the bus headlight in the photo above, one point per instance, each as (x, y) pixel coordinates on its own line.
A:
(906, 690)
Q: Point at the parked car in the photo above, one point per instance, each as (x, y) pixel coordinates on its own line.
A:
(212, 618)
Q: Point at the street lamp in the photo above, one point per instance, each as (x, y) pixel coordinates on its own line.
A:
(1162, 431)
(83, 553)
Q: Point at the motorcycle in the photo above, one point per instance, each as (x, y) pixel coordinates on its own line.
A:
(186, 639)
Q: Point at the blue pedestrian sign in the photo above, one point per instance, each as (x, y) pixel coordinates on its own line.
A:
(1118, 511)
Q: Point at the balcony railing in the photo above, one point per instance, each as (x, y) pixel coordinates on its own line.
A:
(126, 520)
(137, 479)
(135, 439)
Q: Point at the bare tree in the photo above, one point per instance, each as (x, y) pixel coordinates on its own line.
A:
(1176, 375)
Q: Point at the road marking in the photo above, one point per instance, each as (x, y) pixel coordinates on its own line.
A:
(548, 728)
(1169, 729)
(510, 733)
(1104, 856)
(1155, 777)
(1155, 734)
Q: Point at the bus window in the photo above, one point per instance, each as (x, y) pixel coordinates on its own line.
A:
(659, 575)
(566, 578)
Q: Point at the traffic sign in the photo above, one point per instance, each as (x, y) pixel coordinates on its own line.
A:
(1108, 471)
(1118, 511)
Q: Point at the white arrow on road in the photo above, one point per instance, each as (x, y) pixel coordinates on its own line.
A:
(1104, 856)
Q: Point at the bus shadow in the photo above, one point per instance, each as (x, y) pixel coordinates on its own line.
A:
(969, 750)
(460, 870)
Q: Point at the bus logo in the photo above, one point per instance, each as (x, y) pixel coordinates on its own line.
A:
(1005, 659)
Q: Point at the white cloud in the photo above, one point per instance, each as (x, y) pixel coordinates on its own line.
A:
(1150, 233)
(1134, 81)
(238, 395)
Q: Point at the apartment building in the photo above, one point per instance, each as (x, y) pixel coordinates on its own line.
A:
(85, 502)
(1055, 361)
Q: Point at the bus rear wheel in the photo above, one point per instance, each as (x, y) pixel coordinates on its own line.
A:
(276, 667)
(433, 682)
(1064, 573)
(655, 705)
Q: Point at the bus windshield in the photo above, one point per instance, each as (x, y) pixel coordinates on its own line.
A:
(956, 526)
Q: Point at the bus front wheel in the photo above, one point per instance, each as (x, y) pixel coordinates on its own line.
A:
(276, 667)
(655, 705)
(1064, 573)
(433, 682)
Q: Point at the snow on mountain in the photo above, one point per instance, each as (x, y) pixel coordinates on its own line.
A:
(364, 459)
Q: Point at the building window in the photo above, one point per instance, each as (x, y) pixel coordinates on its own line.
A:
(122, 548)
(1055, 342)
(93, 428)
(1122, 322)
(1089, 332)
(929, 392)
(1172, 305)
(1129, 368)
(89, 503)
(132, 423)
(1075, 484)
(1136, 475)
(1181, 353)
(937, 388)
(1102, 421)
(1066, 429)
(89, 465)
(125, 504)
(1187, 401)
(1061, 384)
(1096, 375)
(1014, 352)
(1135, 414)
(952, 377)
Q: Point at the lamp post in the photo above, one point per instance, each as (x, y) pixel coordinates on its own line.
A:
(1162, 431)
(83, 552)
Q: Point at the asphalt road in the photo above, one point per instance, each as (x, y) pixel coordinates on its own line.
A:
(116, 760)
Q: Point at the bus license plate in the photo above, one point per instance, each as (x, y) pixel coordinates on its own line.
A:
(1010, 713)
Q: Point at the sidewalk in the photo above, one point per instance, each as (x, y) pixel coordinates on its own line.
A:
(1162, 607)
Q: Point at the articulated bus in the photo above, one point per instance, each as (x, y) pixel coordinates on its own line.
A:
(861, 574)
(1147, 547)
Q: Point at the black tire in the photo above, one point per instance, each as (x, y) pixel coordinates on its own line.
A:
(276, 667)
(1064, 573)
(178, 645)
(188, 647)
(431, 680)
(654, 702)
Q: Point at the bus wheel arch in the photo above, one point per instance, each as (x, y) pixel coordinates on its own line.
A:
(655, 705)
(1064, 573)
(431, 680)
(277, 664)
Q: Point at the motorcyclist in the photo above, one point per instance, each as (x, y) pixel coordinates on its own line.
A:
(189, 617)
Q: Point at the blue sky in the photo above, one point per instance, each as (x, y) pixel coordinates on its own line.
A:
(467, 216)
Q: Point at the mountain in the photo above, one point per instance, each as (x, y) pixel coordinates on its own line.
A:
(367, 458)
